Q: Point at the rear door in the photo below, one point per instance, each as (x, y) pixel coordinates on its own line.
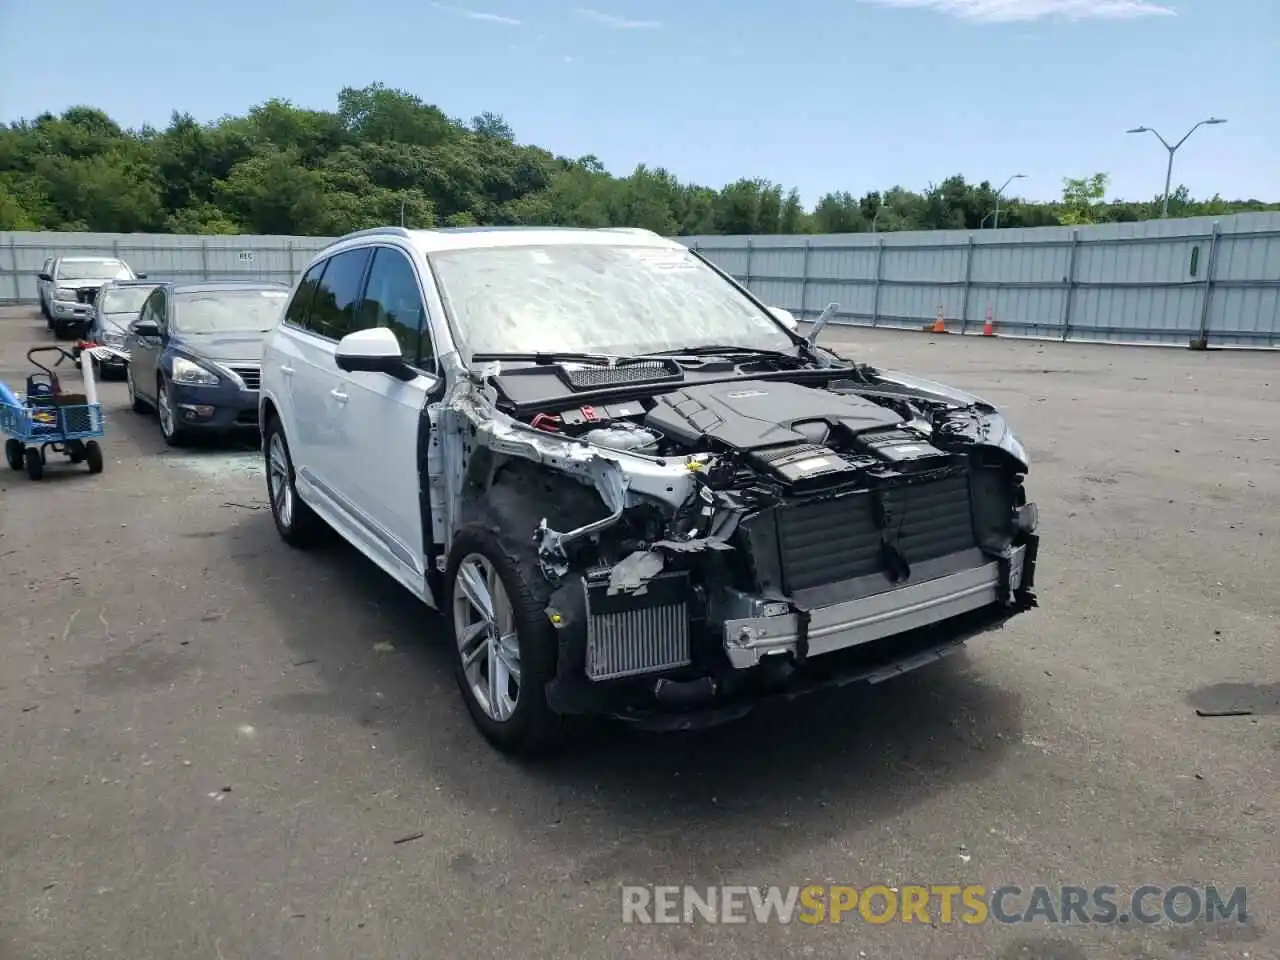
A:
(319, 404)
(380, 472)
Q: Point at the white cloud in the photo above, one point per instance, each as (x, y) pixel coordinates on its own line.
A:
(1014, 11)
(618, 23)
(478, 15)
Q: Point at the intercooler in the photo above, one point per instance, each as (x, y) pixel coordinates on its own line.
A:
(632, 633)
(826, 541)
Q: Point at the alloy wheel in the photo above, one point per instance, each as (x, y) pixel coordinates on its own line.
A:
(484, 625)
(164, 409)
(278, 484)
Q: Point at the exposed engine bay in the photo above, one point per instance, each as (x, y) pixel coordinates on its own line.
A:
(754, 524)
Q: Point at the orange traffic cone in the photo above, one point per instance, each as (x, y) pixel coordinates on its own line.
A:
(939, 326)
(989, 328)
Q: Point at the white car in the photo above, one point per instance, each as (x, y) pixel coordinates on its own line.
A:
(631, 488)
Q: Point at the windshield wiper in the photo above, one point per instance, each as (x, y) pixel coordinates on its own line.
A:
(548, 357)
(725, 350)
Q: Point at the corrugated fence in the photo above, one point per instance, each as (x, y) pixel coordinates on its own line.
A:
(1164, 281)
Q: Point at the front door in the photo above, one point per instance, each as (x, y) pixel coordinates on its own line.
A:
(144, 351)
(384, 417)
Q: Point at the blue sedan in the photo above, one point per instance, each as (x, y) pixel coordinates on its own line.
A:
(195, 354)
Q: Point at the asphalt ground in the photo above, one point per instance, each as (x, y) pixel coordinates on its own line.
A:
(213, 743)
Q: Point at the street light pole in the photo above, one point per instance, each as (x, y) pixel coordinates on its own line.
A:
(995, 224)
(1168, 176)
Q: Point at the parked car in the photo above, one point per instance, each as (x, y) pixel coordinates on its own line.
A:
(117, 305)
(70, 285)
(195, 354)
(631, 487)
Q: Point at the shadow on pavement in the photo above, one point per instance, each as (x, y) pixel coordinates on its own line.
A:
(730, 798)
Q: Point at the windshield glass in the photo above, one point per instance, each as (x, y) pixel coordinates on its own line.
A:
(588, 298)
(228, 311)
(94, 270)
(124, 299)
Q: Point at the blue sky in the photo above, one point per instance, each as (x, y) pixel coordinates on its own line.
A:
(817, 94)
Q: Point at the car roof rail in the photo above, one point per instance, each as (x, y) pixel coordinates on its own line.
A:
(372, 232)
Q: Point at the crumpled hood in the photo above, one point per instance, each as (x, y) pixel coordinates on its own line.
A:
(977, 420)
(224, 347)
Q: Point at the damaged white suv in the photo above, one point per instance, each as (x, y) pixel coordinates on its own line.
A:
(631, 488)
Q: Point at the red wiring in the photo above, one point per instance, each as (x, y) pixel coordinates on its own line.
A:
(544, 421)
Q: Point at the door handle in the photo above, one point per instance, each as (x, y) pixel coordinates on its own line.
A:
(288, 371)
(339, 396)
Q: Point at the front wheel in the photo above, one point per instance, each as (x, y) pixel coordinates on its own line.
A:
(298, 525)
(172, 431)
(14, 452)
(504, 645)
(34, 463)
(137, 403)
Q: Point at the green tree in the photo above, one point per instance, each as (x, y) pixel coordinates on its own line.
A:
(385, 154)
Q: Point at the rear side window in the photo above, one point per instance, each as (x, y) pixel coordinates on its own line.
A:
(392, 299)
(333, 309)
(299, 309)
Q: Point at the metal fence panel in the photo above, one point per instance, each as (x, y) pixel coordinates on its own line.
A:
(1159, 281)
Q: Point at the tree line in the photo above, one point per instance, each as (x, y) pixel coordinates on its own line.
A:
(386, 156)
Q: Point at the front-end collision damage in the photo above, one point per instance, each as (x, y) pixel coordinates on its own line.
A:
(671, 585)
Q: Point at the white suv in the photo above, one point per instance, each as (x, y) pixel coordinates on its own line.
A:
(631, 488)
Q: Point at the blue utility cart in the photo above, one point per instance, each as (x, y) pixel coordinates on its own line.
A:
(48, 418)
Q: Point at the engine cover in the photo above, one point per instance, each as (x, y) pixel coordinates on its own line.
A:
(747, 415)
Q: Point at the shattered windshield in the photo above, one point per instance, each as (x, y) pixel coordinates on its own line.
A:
(595, 298)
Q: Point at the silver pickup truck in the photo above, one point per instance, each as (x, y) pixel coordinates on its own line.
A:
(69, 285)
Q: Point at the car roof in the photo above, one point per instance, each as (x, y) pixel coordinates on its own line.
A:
(102, 259)
(472, 238)
(213, 286)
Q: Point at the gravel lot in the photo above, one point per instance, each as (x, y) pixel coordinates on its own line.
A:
(214, 742)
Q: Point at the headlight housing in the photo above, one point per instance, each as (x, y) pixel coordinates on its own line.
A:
(192, 374)
(65, 293)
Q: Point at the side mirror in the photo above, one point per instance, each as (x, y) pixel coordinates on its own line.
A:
(146, 328)
(45, 276)
(375, 350)
(785, 317)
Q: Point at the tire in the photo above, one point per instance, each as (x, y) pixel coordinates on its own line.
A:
(524, 725)
(173, 434)
(14, 453)
(298, 525)
(93, 456)
(137, 403)
(34, 463)
(76, 451)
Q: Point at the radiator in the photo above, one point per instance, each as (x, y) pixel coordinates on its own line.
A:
(831, 540)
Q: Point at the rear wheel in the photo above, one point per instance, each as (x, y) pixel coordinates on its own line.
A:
(298, 525)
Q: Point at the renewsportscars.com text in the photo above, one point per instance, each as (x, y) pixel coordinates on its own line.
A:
(934, 904)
